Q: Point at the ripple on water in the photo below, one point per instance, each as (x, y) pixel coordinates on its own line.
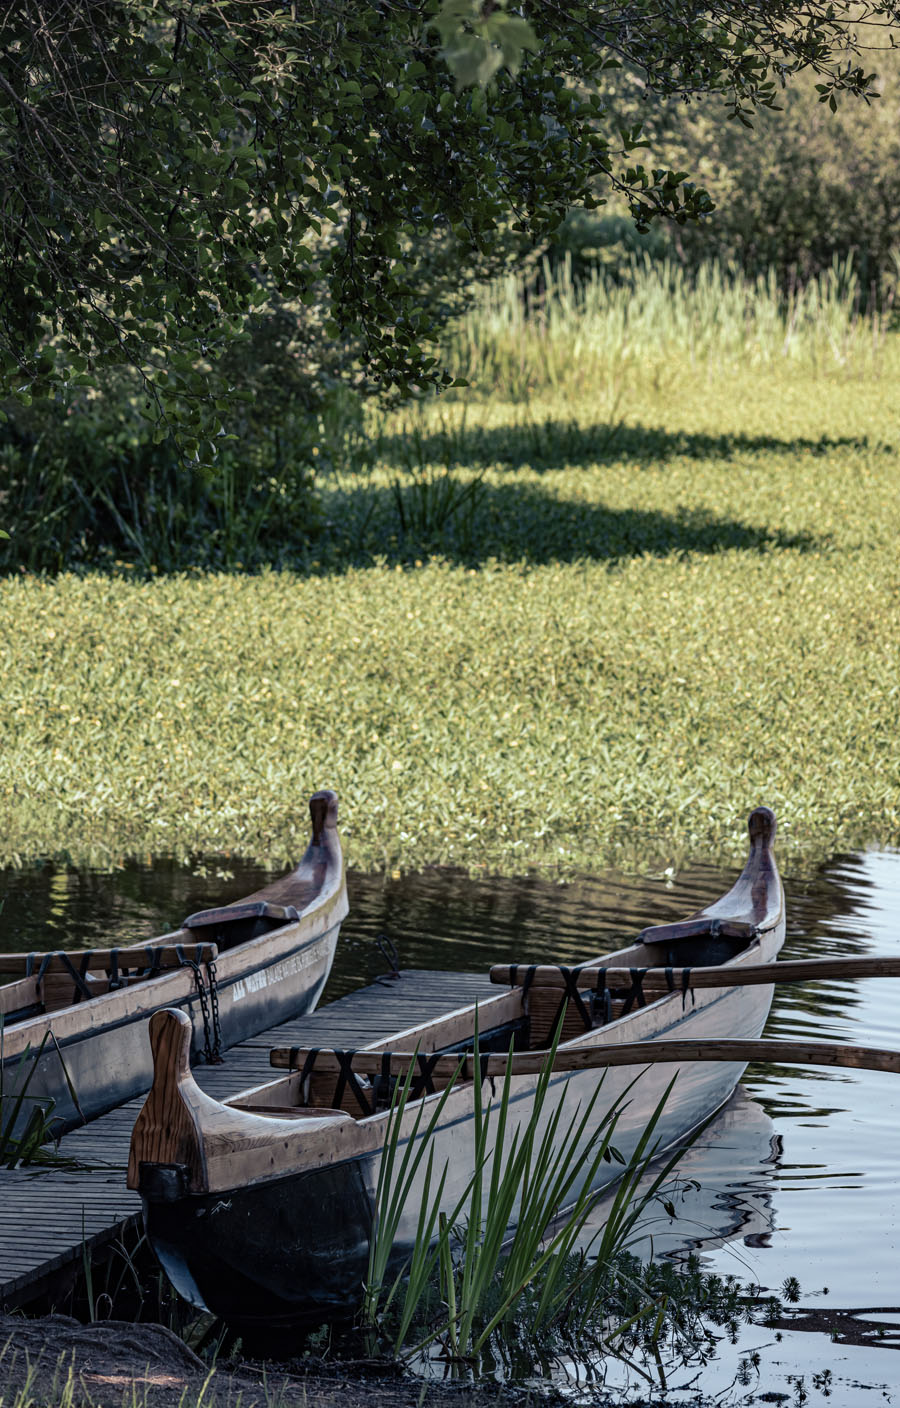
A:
(798, 1176)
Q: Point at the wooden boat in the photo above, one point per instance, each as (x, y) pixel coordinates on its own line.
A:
(74, 1029)
(261, 1209)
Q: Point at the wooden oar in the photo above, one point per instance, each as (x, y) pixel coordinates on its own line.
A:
(799, 970)
(584, 1058)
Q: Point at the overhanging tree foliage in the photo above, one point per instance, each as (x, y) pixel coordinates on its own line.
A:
(169, 167)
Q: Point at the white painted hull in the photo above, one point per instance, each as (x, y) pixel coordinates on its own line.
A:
(700, 1088)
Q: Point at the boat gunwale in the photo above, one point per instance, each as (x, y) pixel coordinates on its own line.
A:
(75, 1021)
(370, 1138)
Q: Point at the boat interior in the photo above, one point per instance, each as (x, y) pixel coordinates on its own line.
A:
(32, 984)
(525, 1016)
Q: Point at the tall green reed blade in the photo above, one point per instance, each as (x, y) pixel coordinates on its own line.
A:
(539, 1173)
(565, 1181)
(396, 1176)
(436, 1254)
(420, 1269)
(547, 1163)
(511, 1177)
(628, 1207)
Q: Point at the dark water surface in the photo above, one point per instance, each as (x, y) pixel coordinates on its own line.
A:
(800, 1175)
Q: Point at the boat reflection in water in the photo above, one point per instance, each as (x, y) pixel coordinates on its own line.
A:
(727, 1194)
(721, 1190)
(722, 1196)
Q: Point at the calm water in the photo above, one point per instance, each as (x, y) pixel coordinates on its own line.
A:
(800, 1176)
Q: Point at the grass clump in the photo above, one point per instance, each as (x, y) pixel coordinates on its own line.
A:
(507, 1278)
(479, 1255)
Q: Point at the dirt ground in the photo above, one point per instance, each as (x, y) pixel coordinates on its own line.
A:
(56, 1362)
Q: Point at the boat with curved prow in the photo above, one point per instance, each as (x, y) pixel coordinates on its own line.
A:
(261, 1209)
(74, 1025)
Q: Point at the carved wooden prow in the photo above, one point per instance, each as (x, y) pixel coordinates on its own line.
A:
(761, 825)
(761, 872)
(209, 1146)
(167, 1131)
(755, 900)
(323, 812)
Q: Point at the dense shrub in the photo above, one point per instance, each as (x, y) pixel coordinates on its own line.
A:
(88, 482)
(801, 189)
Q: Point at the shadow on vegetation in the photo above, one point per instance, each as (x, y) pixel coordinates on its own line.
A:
(515, 522)
(555, 444)
(397, 498)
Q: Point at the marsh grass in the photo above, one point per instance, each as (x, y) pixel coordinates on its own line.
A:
(480, 1299)
(559, 336)
(93, 1378)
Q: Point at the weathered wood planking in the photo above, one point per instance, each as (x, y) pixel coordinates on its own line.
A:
(47, 1217)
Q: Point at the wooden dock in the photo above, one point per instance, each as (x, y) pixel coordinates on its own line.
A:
(52, 1220)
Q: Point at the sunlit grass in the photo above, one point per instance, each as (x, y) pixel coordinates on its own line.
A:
(664, 606)
(555, 335)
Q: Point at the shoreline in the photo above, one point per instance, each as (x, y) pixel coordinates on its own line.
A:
(55, 1361)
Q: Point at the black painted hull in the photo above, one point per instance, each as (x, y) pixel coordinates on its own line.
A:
(248, 1255)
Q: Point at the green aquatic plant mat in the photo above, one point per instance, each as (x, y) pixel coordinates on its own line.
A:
(674, 603)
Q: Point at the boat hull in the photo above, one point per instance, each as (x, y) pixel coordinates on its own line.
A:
(76, 1059)
(310, 1265)
(106, 1060)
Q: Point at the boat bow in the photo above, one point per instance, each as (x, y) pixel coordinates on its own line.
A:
(185, 1142)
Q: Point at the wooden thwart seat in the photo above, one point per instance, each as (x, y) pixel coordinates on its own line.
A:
(64, 977)
(277, 914)
(698, 928)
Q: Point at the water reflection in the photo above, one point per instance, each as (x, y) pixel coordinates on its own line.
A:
(797, 1178)
(722, 1193)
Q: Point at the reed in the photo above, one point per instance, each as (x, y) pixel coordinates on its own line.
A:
(463, 1285)
(526, 337)
(397, 1172)
(24, 1147)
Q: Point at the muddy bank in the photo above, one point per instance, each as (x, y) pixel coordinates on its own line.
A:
(56, 1360)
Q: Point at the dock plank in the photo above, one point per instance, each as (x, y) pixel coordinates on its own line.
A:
(48, 1214)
